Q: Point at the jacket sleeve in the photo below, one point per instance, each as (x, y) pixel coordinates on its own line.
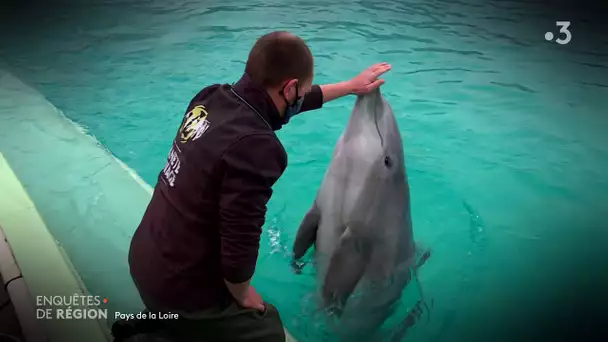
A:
(251, 167)
(313, 100)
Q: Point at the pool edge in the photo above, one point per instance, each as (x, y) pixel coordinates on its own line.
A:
(28, 222)
(44, 268)
(55, 259)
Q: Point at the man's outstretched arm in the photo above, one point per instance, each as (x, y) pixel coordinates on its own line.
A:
(363, 83)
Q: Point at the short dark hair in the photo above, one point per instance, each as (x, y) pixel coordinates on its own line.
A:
(278, 56)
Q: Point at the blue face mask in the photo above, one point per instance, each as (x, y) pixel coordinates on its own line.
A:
(294, 108)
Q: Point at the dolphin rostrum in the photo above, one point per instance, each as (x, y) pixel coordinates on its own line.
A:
(360, 220)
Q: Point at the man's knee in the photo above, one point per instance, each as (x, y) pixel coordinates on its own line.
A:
(273, 314)
(271, 311)
(265, 326)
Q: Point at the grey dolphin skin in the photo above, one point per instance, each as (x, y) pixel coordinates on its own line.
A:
(360, 220)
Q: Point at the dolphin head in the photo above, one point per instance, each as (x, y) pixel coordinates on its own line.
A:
(373, 142)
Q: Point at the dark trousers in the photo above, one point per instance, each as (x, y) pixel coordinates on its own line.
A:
(232, 323)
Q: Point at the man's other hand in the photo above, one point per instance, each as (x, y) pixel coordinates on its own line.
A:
(253, 300)
(367, 80)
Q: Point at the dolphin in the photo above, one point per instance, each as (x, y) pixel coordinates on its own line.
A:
(360, 222)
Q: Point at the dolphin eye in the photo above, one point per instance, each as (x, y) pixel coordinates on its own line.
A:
(388, 162)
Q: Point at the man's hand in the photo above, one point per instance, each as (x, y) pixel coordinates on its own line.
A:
(253, 300)
(245, 295)
(361, 84)
(368, 80)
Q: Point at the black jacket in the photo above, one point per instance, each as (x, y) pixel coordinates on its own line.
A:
(204, 220)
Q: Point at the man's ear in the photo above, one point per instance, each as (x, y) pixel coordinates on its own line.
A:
(290, 88)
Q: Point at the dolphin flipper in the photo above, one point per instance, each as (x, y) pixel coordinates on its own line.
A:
(306, 235)
(423, 255)
(346, 267)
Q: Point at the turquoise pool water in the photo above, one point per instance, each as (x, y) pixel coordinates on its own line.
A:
(504, 133)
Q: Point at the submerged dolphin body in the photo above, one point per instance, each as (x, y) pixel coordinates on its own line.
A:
(360, 220)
